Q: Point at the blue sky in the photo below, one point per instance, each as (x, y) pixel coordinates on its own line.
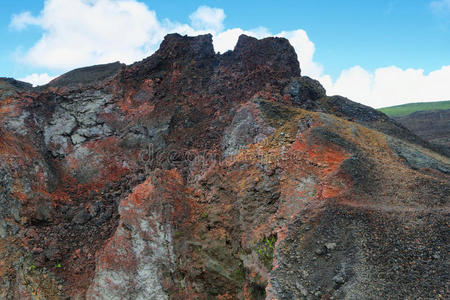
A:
(378, 52)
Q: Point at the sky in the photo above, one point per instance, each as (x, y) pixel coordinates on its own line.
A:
(376, 52)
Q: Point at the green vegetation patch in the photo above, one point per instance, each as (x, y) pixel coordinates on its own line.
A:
(406, 109)
(265, 250)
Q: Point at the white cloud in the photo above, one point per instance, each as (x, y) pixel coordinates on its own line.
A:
(305, 50)
(392, 86)
(78, 33)
(227, 39)
(38, 79)
(207, 18)
(440, 7)
(22, 20)
(81, 32)
(356, 83)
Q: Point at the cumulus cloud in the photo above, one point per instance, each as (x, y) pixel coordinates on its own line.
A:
(392, 85)
(305, 49)
(81, 32)
(227, 39)
(37, 79)
(86, 32)
(207, 18)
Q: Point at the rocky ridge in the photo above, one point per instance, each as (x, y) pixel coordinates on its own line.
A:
(432, 126)
(194, 175)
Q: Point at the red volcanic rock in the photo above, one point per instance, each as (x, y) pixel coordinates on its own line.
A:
(196, 175)
(140, 253)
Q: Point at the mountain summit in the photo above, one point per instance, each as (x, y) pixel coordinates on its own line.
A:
(196, 175)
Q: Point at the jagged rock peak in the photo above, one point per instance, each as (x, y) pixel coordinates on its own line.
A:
(253, 63)
(249, 51)
(175, 45)
(274, 51)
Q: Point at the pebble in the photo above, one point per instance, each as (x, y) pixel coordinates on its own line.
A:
(319, 251)
(330, 246)
(36, 250)
(81, 217)
(338, 279)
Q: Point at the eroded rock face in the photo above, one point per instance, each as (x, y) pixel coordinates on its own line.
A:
(195, 175)
(137, 262)
(247, 127)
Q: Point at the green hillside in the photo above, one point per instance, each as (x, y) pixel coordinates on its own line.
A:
(406, 109)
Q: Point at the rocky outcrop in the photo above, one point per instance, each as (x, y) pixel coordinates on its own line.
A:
(137, 262)
(247, 127)
(196, 175)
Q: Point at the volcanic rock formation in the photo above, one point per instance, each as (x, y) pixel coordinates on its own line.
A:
(194, 175)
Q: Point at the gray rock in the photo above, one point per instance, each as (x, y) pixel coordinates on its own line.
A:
(246, 128)
(43, 213)
(77, 139)
(303, 125)
(338, 279)
(94, 209)
(52, 253)
(94, 131)
(81, 217)
(56, 132)
(304, 91)
(87, 119)
(17, 124)
(319, 251)
(416, 157)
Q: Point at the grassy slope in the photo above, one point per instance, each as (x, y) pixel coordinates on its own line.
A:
(406, 109)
